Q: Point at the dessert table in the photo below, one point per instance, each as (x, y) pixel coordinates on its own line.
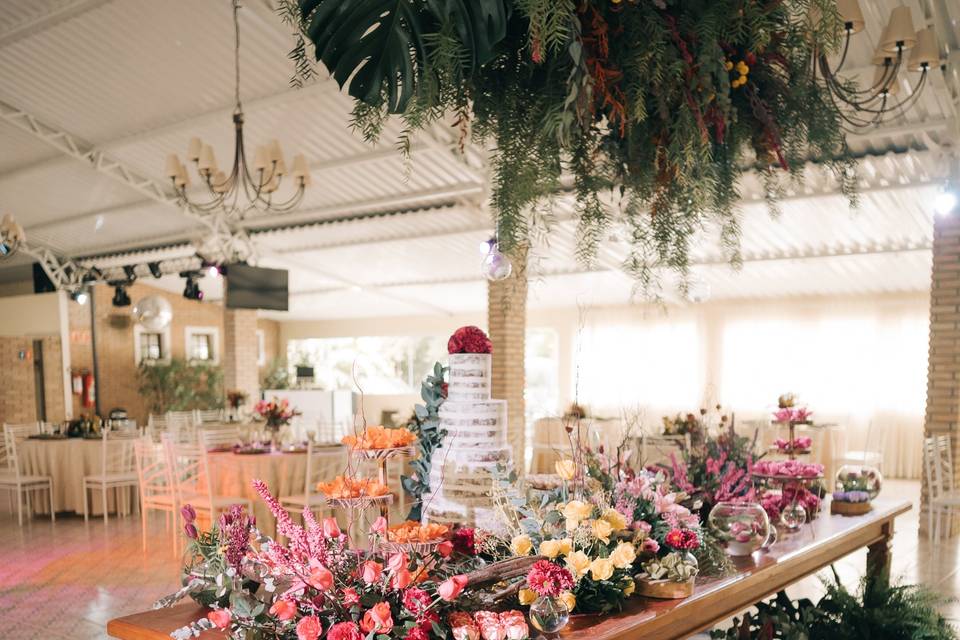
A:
(795, 556)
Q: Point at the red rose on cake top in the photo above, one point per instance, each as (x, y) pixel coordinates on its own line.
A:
(469, 339)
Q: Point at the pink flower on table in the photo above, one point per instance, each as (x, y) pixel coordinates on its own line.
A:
(650, 545)
(462, 626)
(350, 598)
(783, 415)
(379, 526)
(416, 600)
(220, 618)
(451, 588)
(330, 528)
(283, 610)
(320, 578)
(642, 525)
(398, 561)
(445, 549)
(309, 628)
(344, 631)
(401, 579)
(371, 571)
(378, 618)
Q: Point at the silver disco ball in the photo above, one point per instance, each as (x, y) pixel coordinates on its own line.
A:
(153, 312)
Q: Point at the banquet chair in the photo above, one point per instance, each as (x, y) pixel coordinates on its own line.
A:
(117, 470)
(944, 496)
(323, 463)
(155, 482)
(182, 425)
(194, 484)
(156, 427)
(208, 415)
(658, 449)
(218, 438)
(13, 479)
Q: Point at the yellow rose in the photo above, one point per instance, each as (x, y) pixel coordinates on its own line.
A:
(623, 556)
(578, 563)
(569, 600)
(521, 545)
(550, 548)
(566, 469)
(566, 546)
(575, 511)
(615, 518)
(602, 530)
(527, 596)
(629, 587)
(601, 569)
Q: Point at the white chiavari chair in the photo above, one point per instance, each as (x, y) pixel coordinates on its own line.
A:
(219, 438)
(156, 427)
(944, 496)
(14, 480)
(207, 415)
(155, 482)
(323, 463)
(194, 483)
(117, 471)
(182, 426)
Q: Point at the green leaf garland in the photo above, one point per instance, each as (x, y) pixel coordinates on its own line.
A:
(426, 425)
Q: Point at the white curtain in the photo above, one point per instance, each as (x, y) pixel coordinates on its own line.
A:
(860, 364)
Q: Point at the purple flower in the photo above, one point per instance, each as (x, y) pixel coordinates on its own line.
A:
(190, 530)
(188, 512)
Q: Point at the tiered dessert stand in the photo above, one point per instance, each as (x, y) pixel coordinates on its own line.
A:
(787, 482)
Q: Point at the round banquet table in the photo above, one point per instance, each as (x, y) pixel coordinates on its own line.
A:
(67, 462)
(232, 475)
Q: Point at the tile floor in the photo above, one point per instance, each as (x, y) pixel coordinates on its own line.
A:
(65, 580)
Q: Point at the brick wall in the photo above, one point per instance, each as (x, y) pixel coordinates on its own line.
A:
(943, 376)
(506, 321)
(239, 360)
(17, 390)
(53, 379)
(271, 343)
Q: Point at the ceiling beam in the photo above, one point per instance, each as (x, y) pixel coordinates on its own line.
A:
(46, 21)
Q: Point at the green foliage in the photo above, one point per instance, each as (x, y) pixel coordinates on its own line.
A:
(426, 424)
(640, 102)
(178, 385)
(277, 375)
(876, 612)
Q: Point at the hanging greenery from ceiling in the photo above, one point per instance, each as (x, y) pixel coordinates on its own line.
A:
(655, 106)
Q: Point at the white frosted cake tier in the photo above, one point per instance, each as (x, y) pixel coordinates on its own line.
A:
(475, 425)
(469, 377)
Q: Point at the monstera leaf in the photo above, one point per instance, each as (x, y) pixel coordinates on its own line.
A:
(377, 45)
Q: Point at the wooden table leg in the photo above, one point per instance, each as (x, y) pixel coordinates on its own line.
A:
(878, 557)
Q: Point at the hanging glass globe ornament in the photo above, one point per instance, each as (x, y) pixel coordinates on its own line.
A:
(154, 313)
(496, 266)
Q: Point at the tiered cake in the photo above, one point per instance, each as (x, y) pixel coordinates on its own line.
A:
(476, 440)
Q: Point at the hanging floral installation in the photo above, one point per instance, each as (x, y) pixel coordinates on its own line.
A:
(649, 111)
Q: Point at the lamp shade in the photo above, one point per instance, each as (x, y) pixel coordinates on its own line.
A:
(182, 179)
(260, 158)
(925, 54)
(850, 13)
(173, 166)
(219, 182)
(274, 150)
(300, 168)
(206, 163)
(193, 149)
(281, 169)
(899, 29)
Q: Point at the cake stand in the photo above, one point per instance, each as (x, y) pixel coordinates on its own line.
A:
(382, 456)
(785, 482)
(790, 452)
(355, 506)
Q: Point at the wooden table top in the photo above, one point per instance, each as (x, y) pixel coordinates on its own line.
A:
(794, 556)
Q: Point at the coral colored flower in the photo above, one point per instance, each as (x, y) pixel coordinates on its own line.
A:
(397, 561)
(371, 571)
(220, 618)
(330, 528)
(350, 597)
(401, 579)
(283, 609)
(320, 578)
(445, 548)
(682, 539)
(451, 588)
(309, 628)
(379, 526)
(378, 619)
(344, 631)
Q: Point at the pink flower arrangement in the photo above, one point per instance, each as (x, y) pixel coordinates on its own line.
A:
(276, 413)
(488, 625)
(682, 539)
(790, 414)
(788, 468)
(469, 339)
(800, 443)
(549, 579)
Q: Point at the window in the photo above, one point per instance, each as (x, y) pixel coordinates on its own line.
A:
(202, 344)
(261, 348)
(150, 346)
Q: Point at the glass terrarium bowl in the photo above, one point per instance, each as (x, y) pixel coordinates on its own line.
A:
(858, 480)
(743, 526)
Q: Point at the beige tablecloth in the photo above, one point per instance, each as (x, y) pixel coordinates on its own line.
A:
(233, 474)
(67, 462)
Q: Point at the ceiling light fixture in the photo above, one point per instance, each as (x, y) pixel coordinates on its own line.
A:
(155, 270)
(120, 296)
(900, 46)
(191, 289)
(945, 202)
(79, 296)
(249, 186)
(130, 270)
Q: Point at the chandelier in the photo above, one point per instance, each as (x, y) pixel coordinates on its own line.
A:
(248, 186)
(899, 47)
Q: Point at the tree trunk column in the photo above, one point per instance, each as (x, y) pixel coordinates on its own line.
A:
(943, 374)
(507, 323)
(239, 360)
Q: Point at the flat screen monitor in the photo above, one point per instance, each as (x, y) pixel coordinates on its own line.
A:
(256, 288)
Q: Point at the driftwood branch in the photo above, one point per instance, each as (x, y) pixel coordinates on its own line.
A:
(501, 571)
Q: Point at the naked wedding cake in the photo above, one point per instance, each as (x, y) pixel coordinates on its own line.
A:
(476, 440)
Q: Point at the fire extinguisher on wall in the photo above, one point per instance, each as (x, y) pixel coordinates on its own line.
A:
(89, 391)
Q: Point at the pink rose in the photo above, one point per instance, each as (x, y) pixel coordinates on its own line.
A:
(350, 598)
(401, 579)
(451, 588)
(283, 610)
(650, 545)
(220, 618)
(344, 631)
(378, 619)
(417, 633)
(397, 561)
(642, 525)
(320, 578)
(371, 571)
(379, 526)
(445, 548)
(330, 528)
(309, 628)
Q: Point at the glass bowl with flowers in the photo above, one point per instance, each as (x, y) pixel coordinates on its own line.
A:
(855, 487)
(742, 525)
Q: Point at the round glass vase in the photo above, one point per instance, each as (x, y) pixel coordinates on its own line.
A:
(743, 526)
(549, 614)
(859, 480)
(793, 516)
